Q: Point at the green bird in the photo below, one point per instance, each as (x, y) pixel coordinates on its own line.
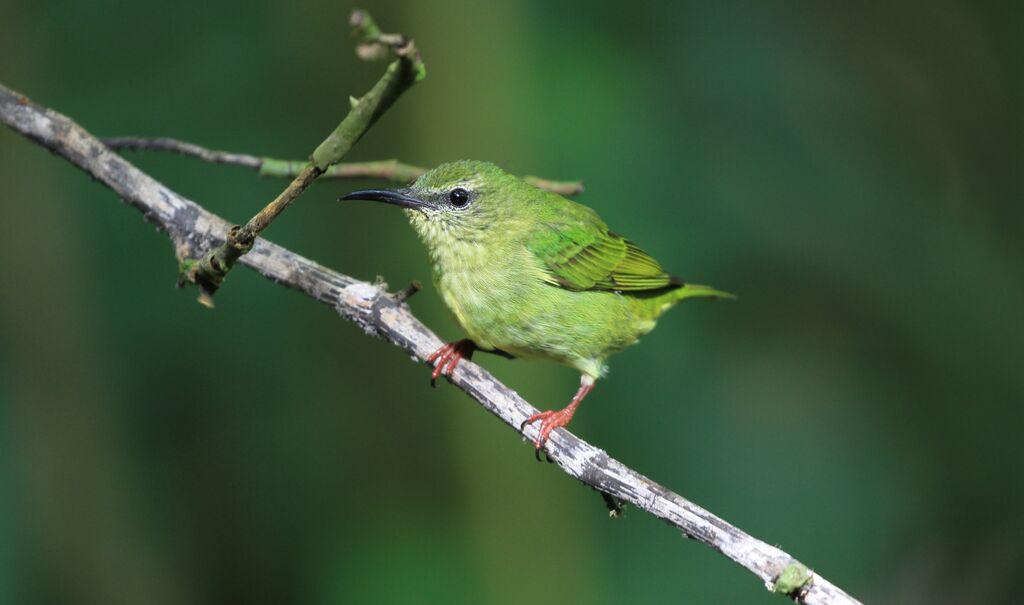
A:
(528, 273)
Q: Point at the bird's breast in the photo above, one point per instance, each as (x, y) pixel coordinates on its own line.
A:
(483, 288)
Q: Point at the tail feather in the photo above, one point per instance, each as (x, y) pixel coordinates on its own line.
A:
(669, 299)
(698, 291)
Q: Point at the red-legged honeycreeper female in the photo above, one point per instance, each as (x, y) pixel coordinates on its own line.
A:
(531, 274)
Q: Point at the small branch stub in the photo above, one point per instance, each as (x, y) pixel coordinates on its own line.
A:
(615, 506)
(405, 293)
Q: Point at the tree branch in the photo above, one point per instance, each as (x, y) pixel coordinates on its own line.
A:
(193, 230)
(385, 170)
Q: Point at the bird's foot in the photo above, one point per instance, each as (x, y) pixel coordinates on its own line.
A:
(448, 356)
(549, 421)
(553, 419)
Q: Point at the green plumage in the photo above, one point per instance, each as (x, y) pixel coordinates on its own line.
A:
(529, 272)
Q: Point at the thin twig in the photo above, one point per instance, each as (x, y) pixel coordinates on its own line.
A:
(209, 271)
(385, 170)
(184, 148)
(194, 230)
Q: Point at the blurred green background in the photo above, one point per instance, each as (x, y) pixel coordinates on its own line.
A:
(853, 172)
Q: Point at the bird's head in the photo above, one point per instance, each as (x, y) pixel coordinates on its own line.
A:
(464, 201)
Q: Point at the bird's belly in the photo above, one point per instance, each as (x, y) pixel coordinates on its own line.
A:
(529, 318)
(481, 303)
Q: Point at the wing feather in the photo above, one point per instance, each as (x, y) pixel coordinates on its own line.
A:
(580, 253)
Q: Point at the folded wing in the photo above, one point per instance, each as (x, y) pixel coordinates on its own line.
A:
(578, 253)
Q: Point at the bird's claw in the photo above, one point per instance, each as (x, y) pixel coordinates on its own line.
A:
(550, 421)
(448, 356)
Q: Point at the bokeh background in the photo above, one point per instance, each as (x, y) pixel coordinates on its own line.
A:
(853, 173)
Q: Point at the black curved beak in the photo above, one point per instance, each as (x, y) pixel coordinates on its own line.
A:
(398, 197)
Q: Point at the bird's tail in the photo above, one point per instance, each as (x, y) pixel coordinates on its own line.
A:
(696, 291)
(669, 299)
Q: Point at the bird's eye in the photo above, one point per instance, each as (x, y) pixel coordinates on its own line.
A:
(459, 197)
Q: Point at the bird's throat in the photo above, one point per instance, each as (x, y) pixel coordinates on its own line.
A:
(449, 248)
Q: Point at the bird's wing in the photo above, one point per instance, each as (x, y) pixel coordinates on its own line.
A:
(578, 252)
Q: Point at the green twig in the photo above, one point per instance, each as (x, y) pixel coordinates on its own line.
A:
(209, 271)
(387, 170)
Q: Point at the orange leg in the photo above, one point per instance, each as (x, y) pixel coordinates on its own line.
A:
(448, 356)
(554, 419)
